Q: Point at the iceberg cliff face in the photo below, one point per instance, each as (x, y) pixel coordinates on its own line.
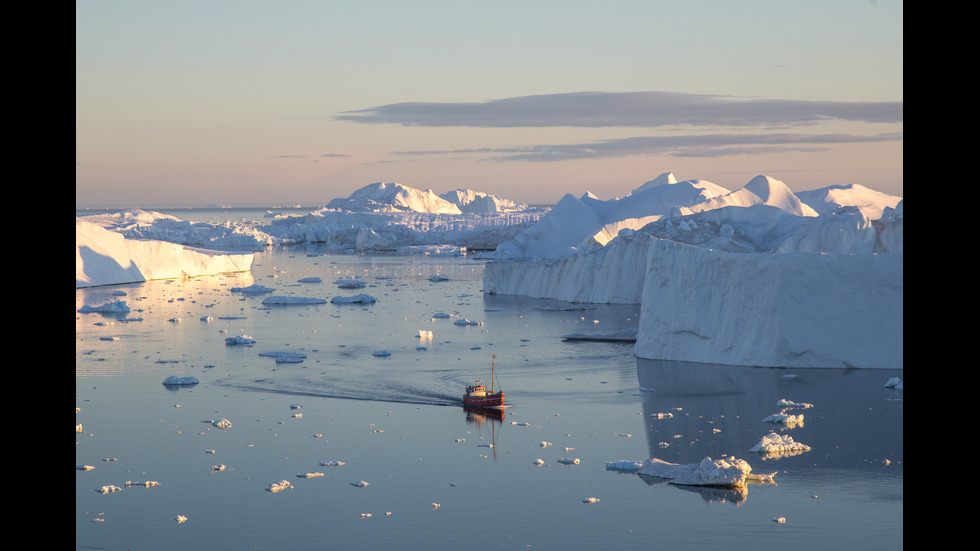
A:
(105, 257)
(783, 310)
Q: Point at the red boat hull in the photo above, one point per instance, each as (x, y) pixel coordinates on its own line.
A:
(488, 401)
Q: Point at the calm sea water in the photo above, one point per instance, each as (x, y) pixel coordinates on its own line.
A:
(397, 423)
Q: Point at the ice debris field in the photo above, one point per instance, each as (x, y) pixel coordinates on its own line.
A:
(759, 276)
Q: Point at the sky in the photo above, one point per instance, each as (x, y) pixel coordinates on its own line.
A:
(297, 102)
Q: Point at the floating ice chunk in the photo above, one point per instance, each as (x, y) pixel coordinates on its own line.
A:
(894, 382)
(731, 472)
(441, 315)
(286, 301)
(366, 515)
(78, 428)
(662, 415)
(791, 421)
(313, 279)
(359, 484)
(241, 339)
(381, 353)
(208, 319)
(351, 283)
(779, 520)
(147, 483)
(784, 403)
(180, 519)
(222, 423)
(625, 466)
(465, 321)
(114, 307)
(175, 380)
(569, 461)
(590, 500)
(332, 463)
(279, 486)
(84, 467)
(424, 334)
(437, 278)
(356, 299)
(539, 462)
(310, 475)
(544, 444)
(285, 357)
(254, 289)
(779, 443)
(436, 505)
(108, 489)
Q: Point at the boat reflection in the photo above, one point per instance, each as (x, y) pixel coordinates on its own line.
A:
(481, 415)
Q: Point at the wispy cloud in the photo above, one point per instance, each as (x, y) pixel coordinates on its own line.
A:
(625, 109)
(704, 145)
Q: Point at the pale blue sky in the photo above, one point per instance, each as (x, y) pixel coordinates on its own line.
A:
(254, 102)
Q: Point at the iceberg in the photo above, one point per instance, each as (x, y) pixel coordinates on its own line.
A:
(752, 277)
(729, 472)
(107, 257)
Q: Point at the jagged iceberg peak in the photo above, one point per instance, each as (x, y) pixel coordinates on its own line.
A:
(468, 200)
(761, 190)
(394, 197)
(577, 222)
(874, 204)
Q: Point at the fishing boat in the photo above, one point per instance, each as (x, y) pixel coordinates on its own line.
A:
(477, 396)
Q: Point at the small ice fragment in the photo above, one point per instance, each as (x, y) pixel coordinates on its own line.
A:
(625, 466)
(381, 353)
(108, 489)
(590, 500)
(436, 505)
(791, 421)
(366, 515)
(424, 334)
(784, 403)
(222, 423)
(356, 299)
(544, 444)
(310, 475)
(569, 461)
(332, 463)
(539, 462)
(780, 520)
(359, 484)
(779, 443)
(894, 382)
(84, 467)
(240, 339)
(279, 486)
(181, 519)
(175, 380)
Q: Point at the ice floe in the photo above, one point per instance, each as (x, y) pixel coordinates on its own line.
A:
(730, 472)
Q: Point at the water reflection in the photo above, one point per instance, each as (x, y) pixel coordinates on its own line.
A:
(719, 410)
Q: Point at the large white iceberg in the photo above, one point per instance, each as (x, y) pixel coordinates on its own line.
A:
(752, 277)
(106, 257)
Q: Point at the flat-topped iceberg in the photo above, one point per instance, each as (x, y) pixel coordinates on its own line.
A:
(107, 257)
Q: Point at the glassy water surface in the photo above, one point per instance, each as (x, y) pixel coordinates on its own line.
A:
(440, 477)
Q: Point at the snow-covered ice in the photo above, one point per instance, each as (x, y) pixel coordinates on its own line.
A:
(731, 472)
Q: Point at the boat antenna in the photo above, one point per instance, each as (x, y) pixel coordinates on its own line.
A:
(493, 367)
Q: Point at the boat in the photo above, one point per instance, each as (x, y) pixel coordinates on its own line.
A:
(477, 396)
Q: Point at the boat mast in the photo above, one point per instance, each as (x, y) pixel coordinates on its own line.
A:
(493, 358)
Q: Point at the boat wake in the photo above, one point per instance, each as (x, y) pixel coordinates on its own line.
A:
(376, 391)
